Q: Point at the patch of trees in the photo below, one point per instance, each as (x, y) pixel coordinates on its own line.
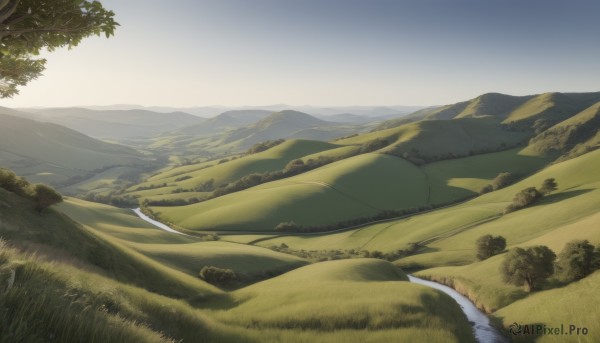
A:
(530, 195)
(420, 158)
(500, 181)
(145, 188)
(183, 178)
(43, 195)
(217, 276)
(528, 267)
(339, 254)
(531, 266)
(488, 246)
(114, 199)
(373, 145)
(263, 146)
(383, 215)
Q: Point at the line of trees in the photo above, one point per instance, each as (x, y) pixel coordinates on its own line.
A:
(500, 181)
(291, 226)
(530, 195)
(531, 266)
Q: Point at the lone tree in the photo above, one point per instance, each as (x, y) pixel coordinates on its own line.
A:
(45, 196)
(575, 261)
(29, 26)
(548, 186)
(528, 266)
(488, 246)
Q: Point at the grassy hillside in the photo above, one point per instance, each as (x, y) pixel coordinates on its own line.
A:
(178, 255)
(54, 154)
(566, 135)
(225, 121)
(432, 140)
(57, 237)
(361, 186)
(192, 176)
(352, 306)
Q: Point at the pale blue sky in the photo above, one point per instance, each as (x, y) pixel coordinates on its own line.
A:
(325, 52)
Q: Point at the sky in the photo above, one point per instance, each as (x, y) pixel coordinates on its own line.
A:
(184, 53)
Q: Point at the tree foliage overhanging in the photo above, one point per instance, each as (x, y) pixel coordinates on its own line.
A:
(29, 26)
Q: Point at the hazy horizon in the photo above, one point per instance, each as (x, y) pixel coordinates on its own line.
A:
(324, 54)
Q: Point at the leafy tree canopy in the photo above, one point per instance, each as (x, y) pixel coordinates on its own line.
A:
(29, 26)
(575, 261)
(528, 266)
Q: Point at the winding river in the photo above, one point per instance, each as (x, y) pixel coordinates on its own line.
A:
(484, 332)
(158, 224)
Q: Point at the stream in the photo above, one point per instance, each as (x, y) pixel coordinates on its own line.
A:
(158, 224)
(484, 332)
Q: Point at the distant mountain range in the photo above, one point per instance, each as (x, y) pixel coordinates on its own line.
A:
(114, 124)
(212, 111)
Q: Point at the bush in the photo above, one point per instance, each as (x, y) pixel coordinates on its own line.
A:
(217, 276)
(45, 196)
(548, 186)
(13, 183)
(523, 199)
(262, 146)
(502, 180)
(488, 246)
(575, 261)
(486, 189)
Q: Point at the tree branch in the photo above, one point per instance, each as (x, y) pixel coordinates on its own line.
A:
(10, 11)
(3, 4)
(6, 33)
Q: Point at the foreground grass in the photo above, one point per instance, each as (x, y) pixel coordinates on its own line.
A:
(368, 298)
(576, 304)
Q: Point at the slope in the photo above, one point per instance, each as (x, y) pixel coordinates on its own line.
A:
(563, 137)
(352, 305)
(53, 154)
(359, 186)
(432, 140)
(225, 121)
(190, 177)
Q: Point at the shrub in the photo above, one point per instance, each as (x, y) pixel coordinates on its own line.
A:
(486, 189)
(488, 246)
(502, 180)
(217, 276)
(45, 196)
(548, 186)
(523, 199)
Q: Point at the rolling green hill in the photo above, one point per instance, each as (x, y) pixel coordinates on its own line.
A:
(225, 121)
(358, 300)
(54, 154)
(360, 186)
(190, 177)
(578, 134)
